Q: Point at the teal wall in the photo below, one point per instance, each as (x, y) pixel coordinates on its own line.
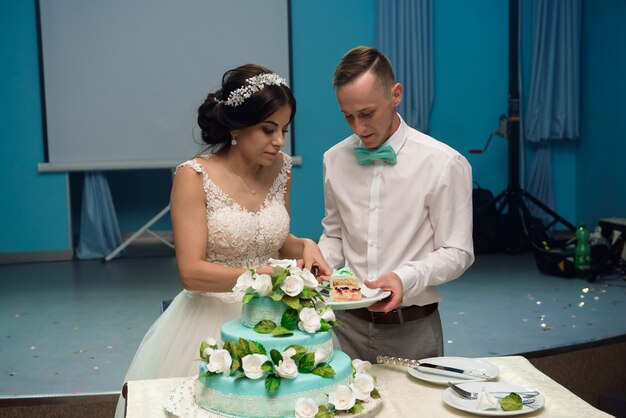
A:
(322, 31)
(471, 83)
(33, 207)
(601, 156)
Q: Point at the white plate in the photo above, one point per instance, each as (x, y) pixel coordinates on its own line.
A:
(357, 304)
(453, 399)
(456, 362)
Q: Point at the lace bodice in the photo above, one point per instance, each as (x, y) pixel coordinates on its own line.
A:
(237, 236)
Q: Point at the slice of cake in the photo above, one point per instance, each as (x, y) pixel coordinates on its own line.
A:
(345, 286)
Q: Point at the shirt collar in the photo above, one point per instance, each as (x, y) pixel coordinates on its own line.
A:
(396, 141)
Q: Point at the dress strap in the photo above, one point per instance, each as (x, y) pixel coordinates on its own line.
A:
(191, 163)
(279, 187)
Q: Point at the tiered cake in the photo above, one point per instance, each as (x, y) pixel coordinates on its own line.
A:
(277, 360)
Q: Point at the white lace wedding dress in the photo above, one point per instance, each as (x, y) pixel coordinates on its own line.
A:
(236, 237)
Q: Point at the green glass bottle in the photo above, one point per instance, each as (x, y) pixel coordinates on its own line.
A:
(582, 259)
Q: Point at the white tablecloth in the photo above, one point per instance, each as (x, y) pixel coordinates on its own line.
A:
(403, 395)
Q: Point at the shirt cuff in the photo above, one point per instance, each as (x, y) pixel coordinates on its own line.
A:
(408, 275)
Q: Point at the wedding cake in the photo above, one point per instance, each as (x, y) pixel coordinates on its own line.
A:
(278, 360)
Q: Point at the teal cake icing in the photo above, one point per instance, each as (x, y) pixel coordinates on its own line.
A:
(248, 398)
(245, 397)
(233, 330)
(258, 309)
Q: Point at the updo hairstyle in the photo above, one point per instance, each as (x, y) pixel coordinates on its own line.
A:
(217, 119)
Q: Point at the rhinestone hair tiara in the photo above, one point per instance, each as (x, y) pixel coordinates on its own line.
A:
(253, 85)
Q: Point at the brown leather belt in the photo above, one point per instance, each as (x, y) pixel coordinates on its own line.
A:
(397, 316)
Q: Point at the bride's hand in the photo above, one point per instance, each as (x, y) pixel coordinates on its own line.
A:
(312, 256)
(265, 270)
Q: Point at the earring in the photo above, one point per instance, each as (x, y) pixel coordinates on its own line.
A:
(233, 141)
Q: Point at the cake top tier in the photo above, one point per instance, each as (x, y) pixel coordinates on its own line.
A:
(286, 300)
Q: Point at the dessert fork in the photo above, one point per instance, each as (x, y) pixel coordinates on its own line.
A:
(525, 395)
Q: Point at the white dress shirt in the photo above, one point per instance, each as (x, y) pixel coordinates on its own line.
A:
(413, 218)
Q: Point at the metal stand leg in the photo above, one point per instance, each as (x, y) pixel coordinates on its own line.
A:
(145, 228)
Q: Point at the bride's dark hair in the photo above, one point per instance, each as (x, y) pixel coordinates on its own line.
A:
(217, 119)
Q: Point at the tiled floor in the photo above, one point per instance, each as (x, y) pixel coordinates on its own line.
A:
(73, 327)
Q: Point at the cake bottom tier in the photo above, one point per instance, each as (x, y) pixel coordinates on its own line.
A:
(248, 398)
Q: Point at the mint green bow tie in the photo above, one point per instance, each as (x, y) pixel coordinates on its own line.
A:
(367, 156)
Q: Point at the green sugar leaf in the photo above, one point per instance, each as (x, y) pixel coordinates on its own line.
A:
(265, 326)
(277, 295)
(290, 319)
(308, 293)
(275, 356)
(292, 302)
(324, 370)
(512, 402)
(281, 332)
(248, 297)
(357, 408)
(300, 352)
(272, 382)
(306, 363)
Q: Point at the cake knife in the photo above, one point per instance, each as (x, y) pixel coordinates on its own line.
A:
(434, 368)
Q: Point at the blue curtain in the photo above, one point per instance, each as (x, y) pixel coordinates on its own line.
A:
(541, 178)
(99, 230)
(405, 35)
(553, 111)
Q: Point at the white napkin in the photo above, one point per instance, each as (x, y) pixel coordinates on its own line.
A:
(486, 400)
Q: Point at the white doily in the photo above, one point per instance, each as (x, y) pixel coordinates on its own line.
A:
(180, 403)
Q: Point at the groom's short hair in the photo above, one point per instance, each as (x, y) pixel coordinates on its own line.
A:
(360, 60)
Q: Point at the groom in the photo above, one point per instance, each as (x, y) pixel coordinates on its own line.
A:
(398, 212)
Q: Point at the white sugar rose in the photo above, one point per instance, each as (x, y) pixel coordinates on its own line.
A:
(342, 398)
(220, 362)
(328, 315)
(252, 365)
(287, 368)
(309, 320)
(306, 408)
(263, 284)
(360, 365)
(292, 285)
(321, 355)
(362, 386)
(289, 353)
(308, 278)
(282, 265)
(244, 282)
(212, 345)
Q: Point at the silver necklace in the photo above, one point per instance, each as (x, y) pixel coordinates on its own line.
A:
(252, 189)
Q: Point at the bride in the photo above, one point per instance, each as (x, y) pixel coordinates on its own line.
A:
(228, 208)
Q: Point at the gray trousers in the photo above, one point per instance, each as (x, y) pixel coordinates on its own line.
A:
(416, 340)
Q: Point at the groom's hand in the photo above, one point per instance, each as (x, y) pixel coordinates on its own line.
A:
(389, 282)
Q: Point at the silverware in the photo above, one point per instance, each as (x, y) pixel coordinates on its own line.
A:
(528, 395)
(451, 371)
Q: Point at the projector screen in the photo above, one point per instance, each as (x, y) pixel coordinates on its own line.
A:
(123, 79)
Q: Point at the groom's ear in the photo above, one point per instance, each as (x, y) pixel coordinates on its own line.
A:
(396, 94)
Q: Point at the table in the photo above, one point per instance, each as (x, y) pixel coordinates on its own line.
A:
(403, 395)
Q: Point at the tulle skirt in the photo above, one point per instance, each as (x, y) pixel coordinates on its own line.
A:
(170, 348)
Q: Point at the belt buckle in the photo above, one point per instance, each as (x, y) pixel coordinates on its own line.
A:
(393, 317)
